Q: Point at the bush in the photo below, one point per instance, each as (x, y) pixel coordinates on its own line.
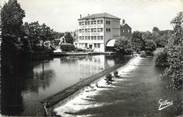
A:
(109, 77)
(142, 54)
(67, 47)
(137, 42)
(122, 46)
(174, 73)
(162, 59)
(116, 74)
(80, 50)
(149, 53)
(150, 45)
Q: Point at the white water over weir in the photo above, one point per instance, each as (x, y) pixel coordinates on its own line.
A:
(84, 100)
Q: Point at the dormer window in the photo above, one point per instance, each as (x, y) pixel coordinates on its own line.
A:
(108, 22)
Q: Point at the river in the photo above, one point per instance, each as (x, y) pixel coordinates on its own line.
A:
(21, 95)
(138, 92)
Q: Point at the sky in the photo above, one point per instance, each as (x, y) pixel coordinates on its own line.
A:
(141, 15)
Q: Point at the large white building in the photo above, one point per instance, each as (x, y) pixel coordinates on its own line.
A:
(96, 30)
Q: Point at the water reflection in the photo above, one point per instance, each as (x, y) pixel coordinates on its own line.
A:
(22, 79)
(11, 98)
(40, 80)
(13, 73)
(24, 88)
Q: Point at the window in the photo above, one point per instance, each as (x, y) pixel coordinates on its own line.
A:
(100, 37)
(80, 30)
(94, 22)
(99, 29)
(108, 22)
(86, 37)
(94, 30)
(86, 22)
(98, 45)
(86, 30)
(81, 37)
(99, 21)
(81, 23)
(94, 37)
(108, 30)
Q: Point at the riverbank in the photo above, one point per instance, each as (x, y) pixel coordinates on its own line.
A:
(59, 54)
(54, 99)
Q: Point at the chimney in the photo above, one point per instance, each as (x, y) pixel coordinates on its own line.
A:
(123, 21)
(80, 16)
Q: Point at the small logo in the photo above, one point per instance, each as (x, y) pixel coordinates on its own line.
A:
(164, 104)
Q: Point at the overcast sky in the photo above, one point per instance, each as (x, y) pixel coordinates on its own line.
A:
(141, 15)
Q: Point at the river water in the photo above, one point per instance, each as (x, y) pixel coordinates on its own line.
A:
(138, 92)
(21, 95)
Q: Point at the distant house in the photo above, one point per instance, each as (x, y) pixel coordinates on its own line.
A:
(96, 30)
(125, 29)
(75, 34)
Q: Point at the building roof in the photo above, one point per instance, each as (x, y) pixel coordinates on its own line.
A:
(100, 15)
(125, 26)
(111, 43)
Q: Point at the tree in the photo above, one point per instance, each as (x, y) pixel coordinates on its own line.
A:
(122, 46)
(175, 54)
(69, 38)
(34, 31)
(155, 29)
(147, 35)
(46, 33)
(12, 35)
(137, 41)
(39, 32)
(161, 59)
(12, 18)
(150, 45)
